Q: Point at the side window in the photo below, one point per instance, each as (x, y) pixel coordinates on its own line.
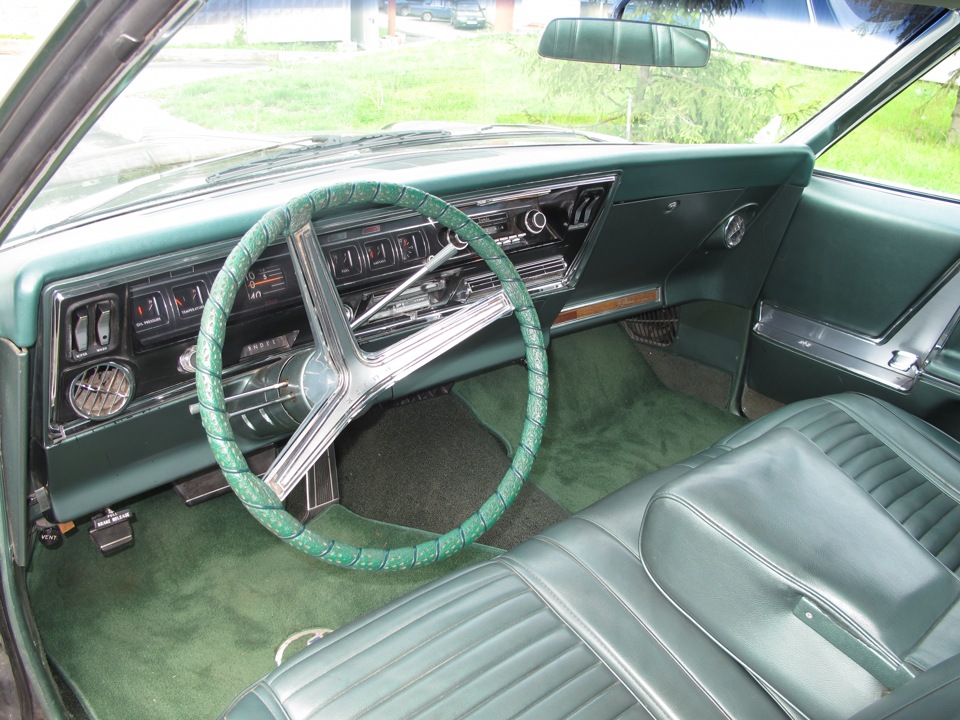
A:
(913, 140)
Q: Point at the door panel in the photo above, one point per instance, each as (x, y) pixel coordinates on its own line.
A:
(862, 296)
(857, 256)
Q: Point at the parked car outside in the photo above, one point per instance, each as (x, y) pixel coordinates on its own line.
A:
(468, 14)
(428, 10)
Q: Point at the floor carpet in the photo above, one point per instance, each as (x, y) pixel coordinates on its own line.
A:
(179, 624)
(430, 465)
(609, 419)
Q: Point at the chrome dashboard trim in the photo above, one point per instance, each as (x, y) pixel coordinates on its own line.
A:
(57, 294)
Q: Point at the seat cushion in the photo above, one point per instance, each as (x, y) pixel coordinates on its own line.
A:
(908, 466)
(565, 625)
(799, 574)
(570, 623)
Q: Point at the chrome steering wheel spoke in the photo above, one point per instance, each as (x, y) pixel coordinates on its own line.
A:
(337, 380)
(362, 376)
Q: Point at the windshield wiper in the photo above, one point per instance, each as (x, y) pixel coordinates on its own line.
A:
(328, 145)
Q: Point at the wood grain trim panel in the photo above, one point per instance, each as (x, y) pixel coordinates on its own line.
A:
(607, 306)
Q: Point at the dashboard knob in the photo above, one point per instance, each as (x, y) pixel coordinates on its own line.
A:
(187, 363)
(534, 221)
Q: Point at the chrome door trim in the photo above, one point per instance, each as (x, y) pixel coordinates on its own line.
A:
(887, 359)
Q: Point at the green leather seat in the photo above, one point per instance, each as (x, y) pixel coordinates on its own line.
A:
(686, 594)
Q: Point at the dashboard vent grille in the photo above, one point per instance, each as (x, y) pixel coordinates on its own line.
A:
(548, 269)
(101, 391)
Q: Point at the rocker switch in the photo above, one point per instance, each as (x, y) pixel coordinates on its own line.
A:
(80, 327)
(104, 313)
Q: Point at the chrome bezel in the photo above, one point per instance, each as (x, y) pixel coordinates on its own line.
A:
(131, 385)
(734, 230)
(58, 294)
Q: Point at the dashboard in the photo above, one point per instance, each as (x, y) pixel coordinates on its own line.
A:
(597, 233)
(125, 339)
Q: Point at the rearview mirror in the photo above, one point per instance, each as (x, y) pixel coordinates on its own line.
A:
(624, 42)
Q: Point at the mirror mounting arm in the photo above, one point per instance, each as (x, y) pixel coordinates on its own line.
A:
(618, 9)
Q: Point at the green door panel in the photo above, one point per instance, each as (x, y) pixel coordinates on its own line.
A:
(857, 256)
(789, 376)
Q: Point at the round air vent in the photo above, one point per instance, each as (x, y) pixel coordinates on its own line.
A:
(101, 391)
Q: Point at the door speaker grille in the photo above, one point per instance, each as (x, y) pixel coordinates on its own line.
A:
(101, 391)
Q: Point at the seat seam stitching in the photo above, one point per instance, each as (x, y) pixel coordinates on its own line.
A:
(514, 566)
(953, 537)
(639, 621)
(461, 653)
(381, 668)
(890, 479)
(596, 663)
(923, 507)
(909, 458)
(489, 697)
(613, 685)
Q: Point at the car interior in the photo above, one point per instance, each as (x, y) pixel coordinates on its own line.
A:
(543, 430)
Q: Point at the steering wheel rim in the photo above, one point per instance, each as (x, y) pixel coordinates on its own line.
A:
(257, 497)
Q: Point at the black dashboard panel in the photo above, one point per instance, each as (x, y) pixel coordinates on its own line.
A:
(132, 330)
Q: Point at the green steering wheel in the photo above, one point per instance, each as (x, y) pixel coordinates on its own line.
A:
(336, 380)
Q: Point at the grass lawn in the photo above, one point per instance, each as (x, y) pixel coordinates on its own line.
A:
(493, 79)
(904, 142)
(445, 81)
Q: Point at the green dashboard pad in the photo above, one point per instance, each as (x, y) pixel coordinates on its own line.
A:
(624, 42)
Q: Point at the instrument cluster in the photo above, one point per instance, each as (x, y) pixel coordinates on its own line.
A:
(124, 339)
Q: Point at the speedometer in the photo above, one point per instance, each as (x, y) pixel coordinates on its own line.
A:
(265, 281)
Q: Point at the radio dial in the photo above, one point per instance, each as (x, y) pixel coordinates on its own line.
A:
(534, 222)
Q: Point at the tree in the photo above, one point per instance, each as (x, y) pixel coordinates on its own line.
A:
(909, 20)
(714, 104)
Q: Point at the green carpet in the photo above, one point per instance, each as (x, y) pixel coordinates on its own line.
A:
(179, 624)
(430, 465)
(610, 420)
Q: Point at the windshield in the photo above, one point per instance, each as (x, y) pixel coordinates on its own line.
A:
(246, 83)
